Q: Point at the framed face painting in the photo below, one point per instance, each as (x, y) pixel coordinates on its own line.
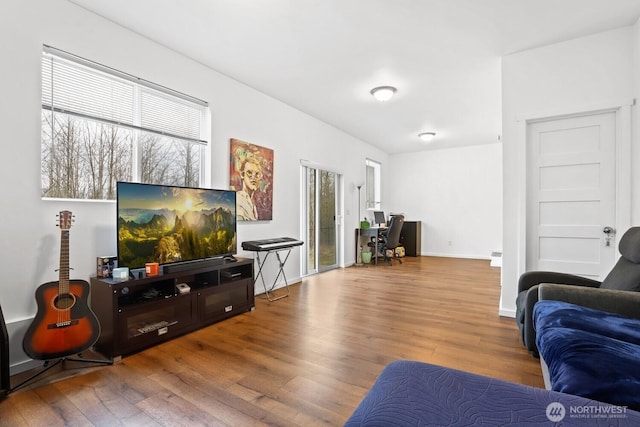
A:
(251, 175)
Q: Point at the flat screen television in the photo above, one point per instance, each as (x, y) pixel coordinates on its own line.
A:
(169, 224)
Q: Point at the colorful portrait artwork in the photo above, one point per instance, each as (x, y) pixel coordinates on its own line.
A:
(251, 175)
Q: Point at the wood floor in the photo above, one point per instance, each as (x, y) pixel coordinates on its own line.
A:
(305, 360)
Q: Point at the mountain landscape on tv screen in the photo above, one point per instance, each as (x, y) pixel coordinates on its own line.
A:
(166, 236)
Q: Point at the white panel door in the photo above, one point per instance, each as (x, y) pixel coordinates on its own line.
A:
(571, 194)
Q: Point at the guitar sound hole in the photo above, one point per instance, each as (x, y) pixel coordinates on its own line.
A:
(64, 301)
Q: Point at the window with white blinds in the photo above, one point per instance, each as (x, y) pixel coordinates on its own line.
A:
(100, 126)
(373, 184)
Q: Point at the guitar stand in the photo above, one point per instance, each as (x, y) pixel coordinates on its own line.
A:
(48, 365)
(281, 264)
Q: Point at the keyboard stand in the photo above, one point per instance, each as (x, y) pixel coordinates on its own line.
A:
(281, 264)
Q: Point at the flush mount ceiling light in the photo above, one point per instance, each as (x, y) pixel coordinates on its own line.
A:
(426, 136)
(383, 93)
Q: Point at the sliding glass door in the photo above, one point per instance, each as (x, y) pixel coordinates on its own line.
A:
(320, 208)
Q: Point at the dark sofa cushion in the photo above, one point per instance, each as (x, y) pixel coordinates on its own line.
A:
(520, 306)
(560, 314)
(629, 245)
(625, 276)
(594, 355)
(591, 366)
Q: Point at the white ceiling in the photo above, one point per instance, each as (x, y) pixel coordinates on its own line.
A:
(324, 56)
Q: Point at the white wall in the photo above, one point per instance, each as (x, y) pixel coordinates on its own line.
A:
(454, 192)
(30, 241)
(571, 76)
(457, 195)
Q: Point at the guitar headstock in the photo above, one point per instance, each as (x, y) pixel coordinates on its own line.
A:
(65, 218)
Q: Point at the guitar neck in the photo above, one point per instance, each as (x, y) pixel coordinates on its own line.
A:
(63, 278)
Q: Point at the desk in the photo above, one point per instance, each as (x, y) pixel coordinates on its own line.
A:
(368, 232)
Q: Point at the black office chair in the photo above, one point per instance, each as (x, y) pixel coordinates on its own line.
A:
(390, 240)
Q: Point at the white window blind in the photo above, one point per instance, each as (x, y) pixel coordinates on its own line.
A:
(101, 125)
(80, 87)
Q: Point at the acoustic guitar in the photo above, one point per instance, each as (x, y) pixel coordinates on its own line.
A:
(64, 324)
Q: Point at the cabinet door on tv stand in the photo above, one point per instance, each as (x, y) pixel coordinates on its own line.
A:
(153, 323)
(224, 301)
(103, 302)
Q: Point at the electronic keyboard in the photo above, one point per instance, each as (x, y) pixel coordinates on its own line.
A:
(271, 244)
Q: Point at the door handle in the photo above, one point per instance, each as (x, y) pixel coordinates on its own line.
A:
(608, 232)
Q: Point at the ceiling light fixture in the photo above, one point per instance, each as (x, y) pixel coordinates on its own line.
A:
(383, 93)
(426, 136)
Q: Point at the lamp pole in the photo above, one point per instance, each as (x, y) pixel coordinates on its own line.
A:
(359, 254)
(359, 187)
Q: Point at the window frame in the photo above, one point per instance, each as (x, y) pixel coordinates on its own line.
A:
(169, 126)
(373, 181)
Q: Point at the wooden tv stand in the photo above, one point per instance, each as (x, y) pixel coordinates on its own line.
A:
(140, 313)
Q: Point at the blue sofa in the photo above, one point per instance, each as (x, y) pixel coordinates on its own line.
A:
(409, 393)
(587, 351)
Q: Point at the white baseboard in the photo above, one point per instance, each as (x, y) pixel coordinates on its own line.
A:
(442, 255)
(18, 360)
(24, 366)
(507, 313)
(259, 287)
(496, 259)
(450, 255)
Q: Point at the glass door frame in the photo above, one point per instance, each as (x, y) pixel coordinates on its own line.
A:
(306, 268)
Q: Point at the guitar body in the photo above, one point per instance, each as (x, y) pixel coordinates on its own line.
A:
(64, 324)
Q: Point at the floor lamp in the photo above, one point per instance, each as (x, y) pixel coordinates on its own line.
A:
(359, 254)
